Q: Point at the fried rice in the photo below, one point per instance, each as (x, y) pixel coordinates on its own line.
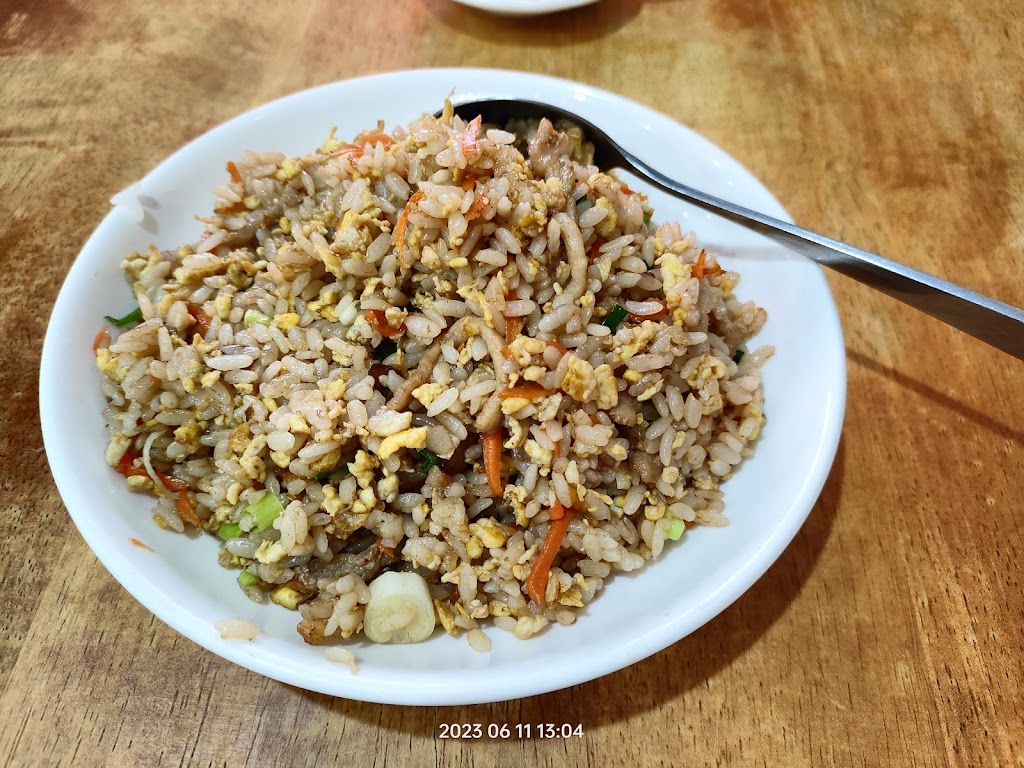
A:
(454, 350)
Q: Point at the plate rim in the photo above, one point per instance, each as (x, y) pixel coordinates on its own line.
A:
(702, 611)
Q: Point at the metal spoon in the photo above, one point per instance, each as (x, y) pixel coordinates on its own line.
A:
(993, 322)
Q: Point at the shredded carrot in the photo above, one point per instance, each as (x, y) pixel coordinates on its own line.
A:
(559, 347)
(403, 223)
(471, 138)
(233, 172)
(700, 271)
(126, 466)
(469, 182)
(492, 462)
(357, 148)
(594, 252)
(698, 268)
(656, 315)
(627, 191)
(186, 509)
(172, 483)
(557, 453)
(202, 319)
(99, 338)
(513, 326)
(537, 581)
(475, 210)
(526, 391)
(226, 210)
(386, 550)
(137, 543)
(379, 321)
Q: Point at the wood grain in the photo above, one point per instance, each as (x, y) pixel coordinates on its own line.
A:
(888, 633)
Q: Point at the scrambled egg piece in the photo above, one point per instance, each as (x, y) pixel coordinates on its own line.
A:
(618, 452)
(107, 363)
(428, 393)
(250, 460)
(642, 336)
(325, 304)
(511, 405)
(516, 434)
(540, 455)
(270, 552)
(523, 348)
(410, 438)
(674, 274)
(362, 467)
(549, 407)
(710, 368)
(222, 305)
(516, 495)
(490, 533)
(607, 225)
(534, 373)
(584, 383)
(326, 462)
(188, 434)
(429, 258)
(287, 321)
(473, 294)
(289, 170)
(334, 390)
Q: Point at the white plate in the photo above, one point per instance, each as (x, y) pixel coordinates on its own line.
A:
(525, 7)
(638, 614)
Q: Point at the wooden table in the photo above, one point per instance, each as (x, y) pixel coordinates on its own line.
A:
(888, 633)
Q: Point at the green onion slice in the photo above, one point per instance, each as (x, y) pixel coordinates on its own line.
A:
(132, 317)
(265, 511)
(616, 316)
(430, 460)
(675, 530)
(246, 579)
(229, 531)
(252, 316)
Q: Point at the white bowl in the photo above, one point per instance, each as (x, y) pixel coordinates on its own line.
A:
(524, 7)
(637, 614)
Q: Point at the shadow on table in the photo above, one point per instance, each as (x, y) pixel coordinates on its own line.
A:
(982, 419)
(653, 682)
(571, 26)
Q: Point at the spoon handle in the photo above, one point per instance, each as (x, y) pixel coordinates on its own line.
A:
(995, 323)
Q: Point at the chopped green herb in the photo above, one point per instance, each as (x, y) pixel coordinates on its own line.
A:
(246, 579)
(430, 460)
(737, 355)
(252, 316)
(327, 474)
(675, 530)
(385, 350)
(616, 316)
(229, 531)
(265, 511)
(647, 219)
(132, 317)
